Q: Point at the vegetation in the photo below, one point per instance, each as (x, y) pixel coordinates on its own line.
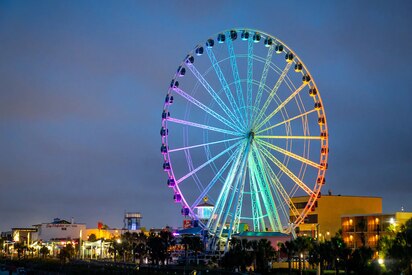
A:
(396, 248)
(244, 253)
(44, 251)
(329, 256)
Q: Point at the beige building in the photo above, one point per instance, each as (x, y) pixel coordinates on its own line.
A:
(59, 230)
(360, 230)
(325, 218)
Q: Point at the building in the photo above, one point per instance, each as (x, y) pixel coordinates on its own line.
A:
(325, 218)
(366, 230)
(60, 230)
(132, 220)
(23, 234)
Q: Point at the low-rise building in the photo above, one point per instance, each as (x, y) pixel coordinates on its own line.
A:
(325, 218)
(366, 230)
(60, 229)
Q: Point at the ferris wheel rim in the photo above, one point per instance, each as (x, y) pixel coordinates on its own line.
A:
(317, 186)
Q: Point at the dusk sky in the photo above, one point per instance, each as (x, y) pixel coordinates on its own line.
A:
(82, 85)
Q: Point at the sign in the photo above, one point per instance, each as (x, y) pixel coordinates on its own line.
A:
(187, 224)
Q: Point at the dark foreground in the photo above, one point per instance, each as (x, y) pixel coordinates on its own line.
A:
(53, 266)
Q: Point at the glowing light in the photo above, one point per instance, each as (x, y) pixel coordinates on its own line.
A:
(380, 261)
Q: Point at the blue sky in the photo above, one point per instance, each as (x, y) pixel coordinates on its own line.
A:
(82, 85)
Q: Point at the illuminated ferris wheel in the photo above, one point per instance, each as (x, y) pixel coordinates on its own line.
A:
(244, 126)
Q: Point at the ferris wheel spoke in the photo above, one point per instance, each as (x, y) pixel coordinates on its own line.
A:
(277, 185)
(202, 126)
(206, 109)
(281, 204)
(288, 153)
(239, 204)
(258, 221)
(286, 121)
(280, 106)
(267, 196)
(274, 91)
(234, 223)
(249, 96)
(202, 145)
(207, 162)
(215, 96)
(236, 188)
(215, 179)
(235, 71)
(217, 212)
(287, 137)
(285, 170)
(224, 84)
(262, 82)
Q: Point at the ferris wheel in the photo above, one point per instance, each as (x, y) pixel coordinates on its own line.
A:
(244, 126)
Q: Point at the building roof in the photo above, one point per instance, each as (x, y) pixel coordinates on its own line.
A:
(261, 234)
(339, 195)
(190, 231)
(28, 229)
(373, 214)
(205, 204)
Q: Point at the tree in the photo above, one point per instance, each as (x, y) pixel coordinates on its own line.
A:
(157, 249)
(321, 254)
(92, 238)
(20, 247)
(116, 248)
(167, 239)
(360, 259)
(44, 251)
(66, 252)
(264, 254)
(238, 256)
(398, 248)
(302, 246)
(289, 249)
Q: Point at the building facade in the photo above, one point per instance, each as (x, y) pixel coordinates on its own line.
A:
(325, 218)
(60, 230)
(366, 230)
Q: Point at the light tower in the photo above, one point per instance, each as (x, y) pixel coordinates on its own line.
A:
(132, 220)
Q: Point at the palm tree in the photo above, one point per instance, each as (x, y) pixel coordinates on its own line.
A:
(44, 251)
(398, 248)
(167, 238)
(289, 248)
(20, 247)
(302, 245)
(194, 244)
(265, 253)
(156, 247)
